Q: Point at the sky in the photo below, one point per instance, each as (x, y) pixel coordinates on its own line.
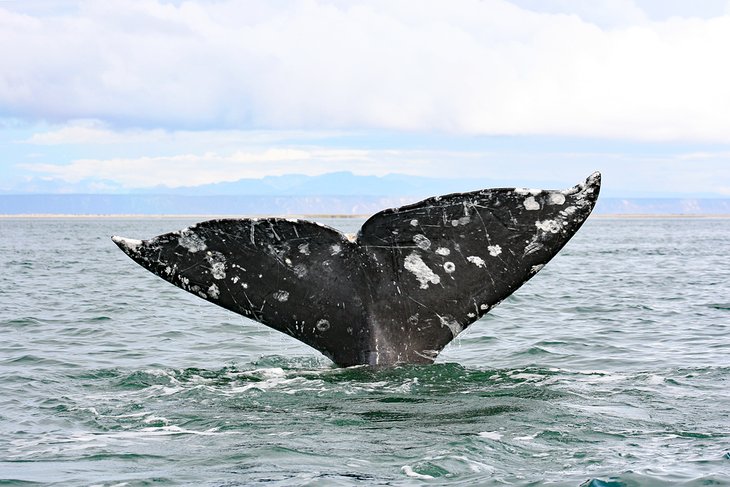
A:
(119, 95)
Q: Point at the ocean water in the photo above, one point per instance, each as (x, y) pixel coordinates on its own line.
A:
(609, 368)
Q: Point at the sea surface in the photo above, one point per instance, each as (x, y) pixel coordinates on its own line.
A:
(610, 368)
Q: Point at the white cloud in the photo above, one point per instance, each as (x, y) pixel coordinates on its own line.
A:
(95, 132)
(605, 13)
(476, 67)
(92, 132)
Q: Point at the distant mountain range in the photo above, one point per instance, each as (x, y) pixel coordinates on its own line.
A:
(339, 183)
(341, 193)
(336, 183)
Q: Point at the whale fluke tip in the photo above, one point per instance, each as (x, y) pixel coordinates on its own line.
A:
(592, 185)
(126, 244)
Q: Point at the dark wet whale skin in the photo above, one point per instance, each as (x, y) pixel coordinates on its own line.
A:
(413, 279)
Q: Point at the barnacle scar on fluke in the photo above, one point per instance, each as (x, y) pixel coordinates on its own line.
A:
(413, 279)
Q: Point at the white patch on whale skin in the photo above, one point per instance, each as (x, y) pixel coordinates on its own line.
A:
(443, 251)
(526, 191)
(422, 242)
(322, 325)
(213, 291)
(449, 267)
(336, 249)
(414, 223)
(218, 269)
(477, 261)
(191, 241)
(556, 199)
(281, 296)
(217, 263)
(452, 324)
(234, 279)
(494, 250)
(304, 248)
(531, 204)
(300, 270)
(461, 221)
(484, 307)
(536, 268)
(418, 268)
(548, 226)
(533, 247)
(568, 211)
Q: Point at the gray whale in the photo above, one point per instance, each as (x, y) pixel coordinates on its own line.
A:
(412, 279)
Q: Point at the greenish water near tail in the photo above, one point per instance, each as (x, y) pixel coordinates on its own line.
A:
(609, 368)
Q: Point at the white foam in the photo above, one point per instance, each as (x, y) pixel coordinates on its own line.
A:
(491, 435)
(408, 470)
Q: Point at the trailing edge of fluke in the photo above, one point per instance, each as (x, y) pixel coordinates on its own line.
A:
(412, 279)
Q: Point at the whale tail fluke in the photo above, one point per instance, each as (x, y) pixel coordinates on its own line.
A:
(413, 279)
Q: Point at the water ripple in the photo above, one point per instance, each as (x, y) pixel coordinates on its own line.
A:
(608, 369)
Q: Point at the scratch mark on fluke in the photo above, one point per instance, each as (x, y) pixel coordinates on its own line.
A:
(412, 279)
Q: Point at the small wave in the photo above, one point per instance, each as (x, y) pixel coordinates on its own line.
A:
(22, 322)
(408, 470)
(33, 360)
(602, 483)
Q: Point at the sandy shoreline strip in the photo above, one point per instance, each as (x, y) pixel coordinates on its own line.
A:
(621, 216)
